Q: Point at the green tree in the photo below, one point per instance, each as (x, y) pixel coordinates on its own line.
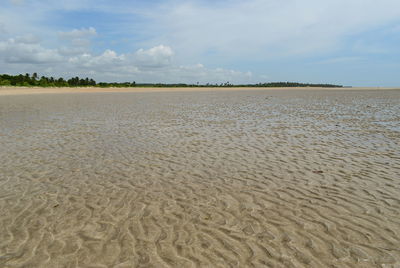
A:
(43, 82)
(5, 82)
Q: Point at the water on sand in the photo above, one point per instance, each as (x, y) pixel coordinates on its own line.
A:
(200, 179)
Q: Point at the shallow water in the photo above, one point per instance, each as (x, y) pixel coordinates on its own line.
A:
(200, 179)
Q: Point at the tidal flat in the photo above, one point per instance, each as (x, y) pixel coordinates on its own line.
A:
(241, 178)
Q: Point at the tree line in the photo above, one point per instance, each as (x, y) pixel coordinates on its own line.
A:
(34, 80)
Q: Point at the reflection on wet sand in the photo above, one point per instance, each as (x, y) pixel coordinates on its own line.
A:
(200, 179)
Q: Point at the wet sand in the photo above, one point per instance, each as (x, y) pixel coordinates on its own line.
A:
(231, 178)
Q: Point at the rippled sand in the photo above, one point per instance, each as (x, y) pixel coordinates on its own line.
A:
(200, 179)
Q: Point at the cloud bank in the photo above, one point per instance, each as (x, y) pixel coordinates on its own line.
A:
(145, 65)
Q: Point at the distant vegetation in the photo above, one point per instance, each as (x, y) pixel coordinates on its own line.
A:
(34, 80)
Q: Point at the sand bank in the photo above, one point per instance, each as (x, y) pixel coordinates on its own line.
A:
(53, 90)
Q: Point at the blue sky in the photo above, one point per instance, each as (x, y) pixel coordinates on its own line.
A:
(349, 42)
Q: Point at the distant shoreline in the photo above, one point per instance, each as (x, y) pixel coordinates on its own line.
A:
(6, 90)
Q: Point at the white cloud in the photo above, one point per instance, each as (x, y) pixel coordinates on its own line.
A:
(17, 2)
(259, 29)
(72, 51)
(14, 51)
(159, 56)
(145, 65)
(341, 60)
(200, 73)
(150, 65)
(27, 39)
(78, 33)
(105, 61)
(76, 41)
(2, 28)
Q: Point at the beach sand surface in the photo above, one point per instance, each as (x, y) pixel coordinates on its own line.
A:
(203, 178)
(63, 90)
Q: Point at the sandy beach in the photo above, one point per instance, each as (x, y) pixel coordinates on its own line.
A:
(199, 177)
(53, 90)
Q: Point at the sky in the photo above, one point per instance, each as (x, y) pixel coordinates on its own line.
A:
(346, 42)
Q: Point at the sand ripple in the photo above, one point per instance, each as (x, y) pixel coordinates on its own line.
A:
(200, 179)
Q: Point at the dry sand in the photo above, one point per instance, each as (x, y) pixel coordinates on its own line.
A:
(53, 90)
(251, 178)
